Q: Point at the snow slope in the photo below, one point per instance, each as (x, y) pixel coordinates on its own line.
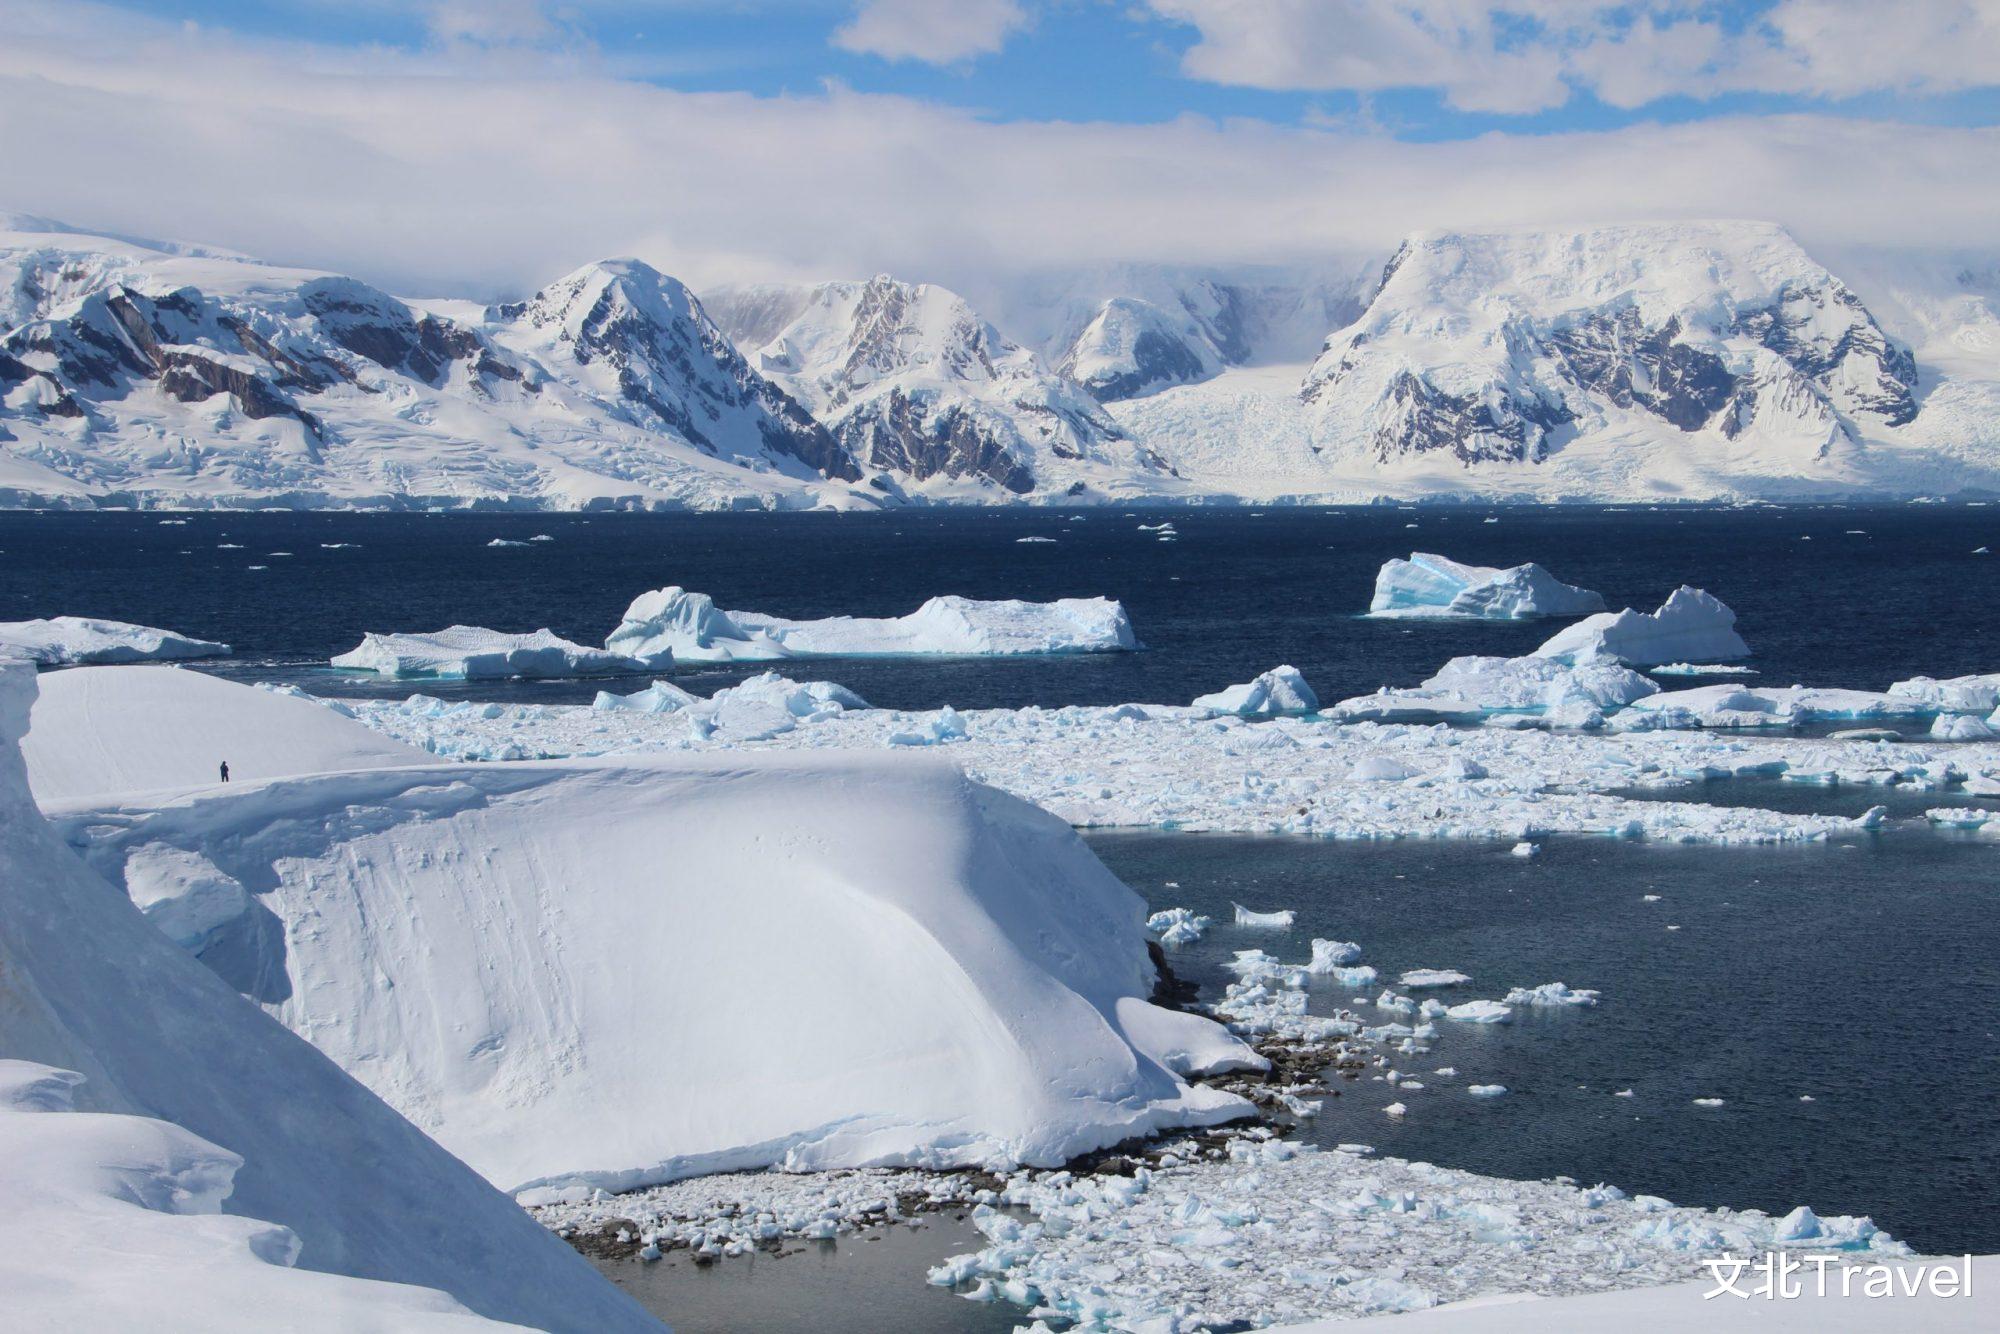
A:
(916, 385)
(63, 641)
(672, 623)
(90, 988)
(139, 729)
(624, 973)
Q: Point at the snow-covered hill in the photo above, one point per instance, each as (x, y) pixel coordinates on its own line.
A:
(919, 389)
(1684, 361)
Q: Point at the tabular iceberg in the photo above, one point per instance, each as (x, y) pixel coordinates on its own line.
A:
(1690, 626)
(1429, 585)
(510, 956)
(210, 1149)
(464, 652)
(693, 629)
(65, 641)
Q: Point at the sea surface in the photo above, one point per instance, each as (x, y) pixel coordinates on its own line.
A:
(1238, 592)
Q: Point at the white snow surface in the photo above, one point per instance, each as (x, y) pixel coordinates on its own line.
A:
(1690, 626)
(1429, 585)
(464, 652)
(675, 623)
(67, 641)
(513, 956)
(188, 1101)
(99, 730)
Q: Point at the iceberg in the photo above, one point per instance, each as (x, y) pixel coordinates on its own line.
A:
(466, 652)
(659, 697)
(170, 1155)
(1283, 917)
(1333, 956)
(1429, 585)
(1960, 694)
(68, 641)
(1551, 993)
(1178, 926)
(675, 624)
(1740, 706)
(1473, 688)
(1690, 626)
(1480, 1012)
(449, 907)
(1433, 977)
(1282, 691)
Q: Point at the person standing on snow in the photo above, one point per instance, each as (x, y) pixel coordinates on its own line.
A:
(225, 771)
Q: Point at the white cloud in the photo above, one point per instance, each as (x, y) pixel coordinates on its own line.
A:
(937, 32)
(457, 172)
(1517, 56)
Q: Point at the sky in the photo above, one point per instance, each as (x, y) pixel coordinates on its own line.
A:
(483, 147)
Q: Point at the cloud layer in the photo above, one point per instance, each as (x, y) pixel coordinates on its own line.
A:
(483, 172)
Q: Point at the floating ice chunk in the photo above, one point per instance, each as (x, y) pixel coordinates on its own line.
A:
(1739, 706)
(1962, 727)
(1433, 977)
(1690, 626)
(1470, 688)
(1525, 849)
(1958, 694)
(659, 697)
(1395, 1004)
(1708, 1102)
(1428, 585)
(1700, 669)
(1279, 691)
(1178, 926)
(1480, 1012)
(1353, 979)
(1551, 993)
(1025, 540)
(1486, 1090)
(465, 652)
(694, 629)
(1331, 956)
(1395, 1109)
(501, 542)
(1284, 917)
(1961, 817)
(66, 641)
(1381, 769)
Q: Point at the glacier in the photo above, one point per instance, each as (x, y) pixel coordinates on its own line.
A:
(1431, 585)
(675, 624)
(67, 641)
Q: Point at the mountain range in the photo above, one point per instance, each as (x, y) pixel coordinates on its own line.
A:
(1710, 360)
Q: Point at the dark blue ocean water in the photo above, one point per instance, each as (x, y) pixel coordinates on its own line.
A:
(1864, 974)
(1239, 592)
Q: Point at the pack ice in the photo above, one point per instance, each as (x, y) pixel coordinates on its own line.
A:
(67, 641)
(1428, 585)
(464, 652)
(620, 973)
(693, 629)
(1690, 626)
(167, 1151)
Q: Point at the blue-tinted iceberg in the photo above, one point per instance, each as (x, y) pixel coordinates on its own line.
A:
(1690, 626)
(1429, 585)
(691, 628)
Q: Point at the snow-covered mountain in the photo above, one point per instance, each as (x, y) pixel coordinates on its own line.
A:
(143, 373)
(918, 388)
(1686, 361)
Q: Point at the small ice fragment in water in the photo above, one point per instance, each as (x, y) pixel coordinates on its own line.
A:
(1486, 1090)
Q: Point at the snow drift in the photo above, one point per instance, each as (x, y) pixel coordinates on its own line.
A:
(344, 1186)
(66, 641)
(1431, 585)
(615, 973)
(139, 729)
(691, 628)
(1690, 626)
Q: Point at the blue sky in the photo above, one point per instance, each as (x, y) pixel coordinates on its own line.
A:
(478, 147)
(1080, 60)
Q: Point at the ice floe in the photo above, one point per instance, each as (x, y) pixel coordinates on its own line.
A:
(1178, 926)
(1433, 977)
(465, 652)
(66, 641)
(1474, 689)
(1690, 626)
(1283, 917)
(691, 628)
(1551, 993)
(1429, 585)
